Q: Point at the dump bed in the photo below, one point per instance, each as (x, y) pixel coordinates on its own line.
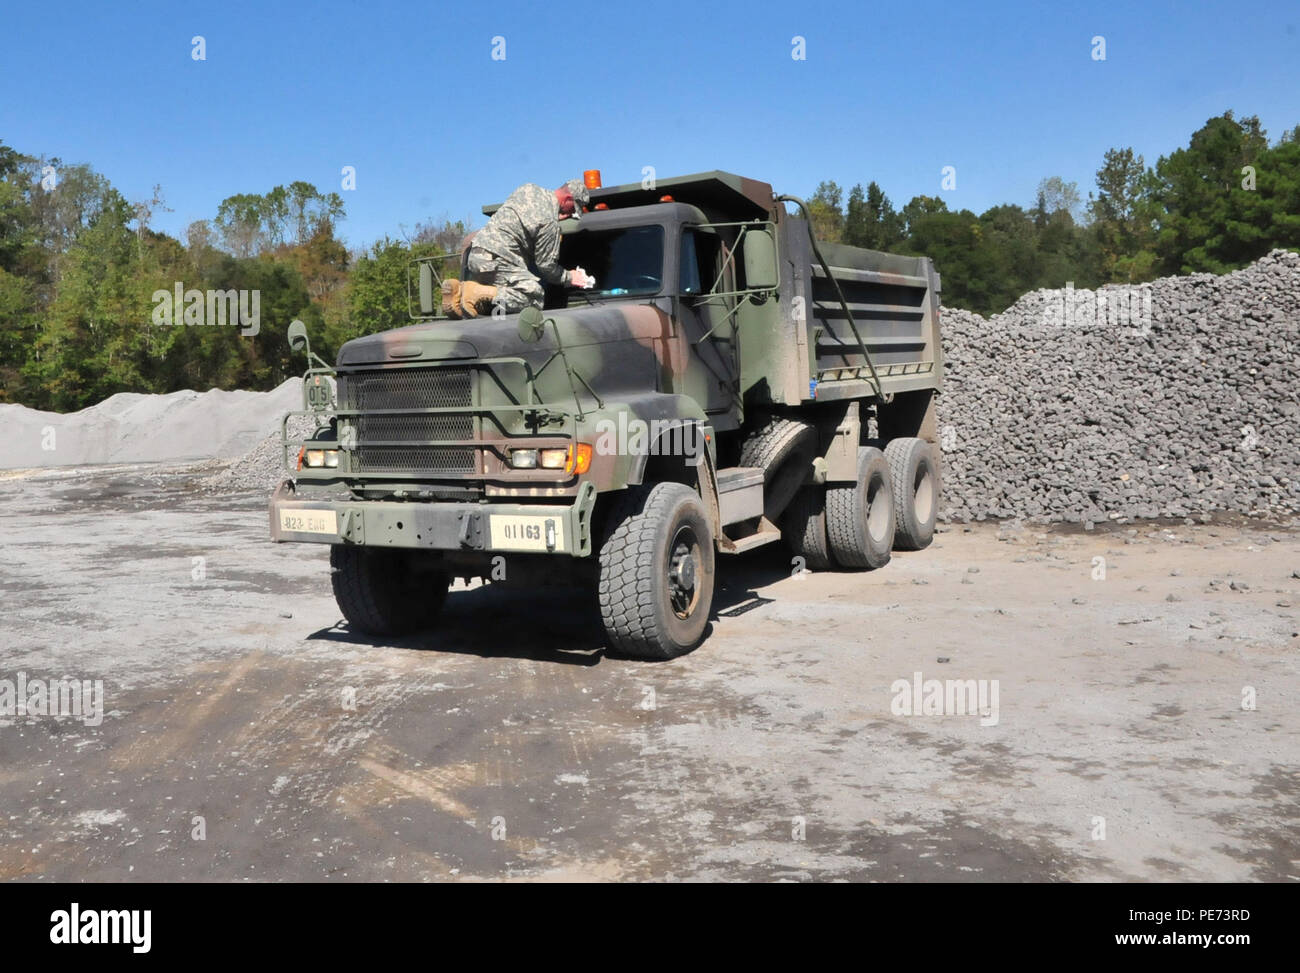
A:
(893, 301)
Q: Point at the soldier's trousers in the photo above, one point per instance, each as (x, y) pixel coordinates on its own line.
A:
(516, 286)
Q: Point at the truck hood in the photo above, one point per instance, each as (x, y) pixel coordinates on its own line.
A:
(487, 337)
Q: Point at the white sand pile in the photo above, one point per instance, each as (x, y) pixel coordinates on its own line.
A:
(135, 428)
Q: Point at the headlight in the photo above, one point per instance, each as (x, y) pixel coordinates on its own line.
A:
(554, 459)
(316, 458)
(570, 459)
(523, 459)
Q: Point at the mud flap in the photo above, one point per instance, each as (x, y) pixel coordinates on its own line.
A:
(709, 493)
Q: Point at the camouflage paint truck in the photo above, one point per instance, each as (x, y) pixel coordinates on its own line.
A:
(730, 382)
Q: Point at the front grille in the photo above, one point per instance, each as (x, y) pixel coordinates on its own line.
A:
(407, 388)
(412, 459)
(410, 389)
(406, 429)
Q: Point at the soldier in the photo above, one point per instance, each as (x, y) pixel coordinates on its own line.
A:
(522, 236)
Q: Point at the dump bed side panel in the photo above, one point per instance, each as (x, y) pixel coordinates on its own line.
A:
(894, 303)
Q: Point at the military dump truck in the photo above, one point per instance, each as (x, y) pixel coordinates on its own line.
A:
(729, 382)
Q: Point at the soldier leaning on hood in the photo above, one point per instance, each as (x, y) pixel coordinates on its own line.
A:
(524, 231)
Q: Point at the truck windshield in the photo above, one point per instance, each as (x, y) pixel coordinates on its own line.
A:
(627, 261)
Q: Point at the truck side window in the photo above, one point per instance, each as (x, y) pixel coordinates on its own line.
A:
(690, 264)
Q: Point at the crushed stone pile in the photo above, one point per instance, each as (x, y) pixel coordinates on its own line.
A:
(138, 428)
(1174, 399)
(261, 469)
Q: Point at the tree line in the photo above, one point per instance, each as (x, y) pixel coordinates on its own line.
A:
(79, 263)
(1224, 200)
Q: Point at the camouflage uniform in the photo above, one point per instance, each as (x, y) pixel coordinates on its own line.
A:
(523, 236)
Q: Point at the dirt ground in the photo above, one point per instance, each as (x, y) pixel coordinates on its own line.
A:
(1145, 724)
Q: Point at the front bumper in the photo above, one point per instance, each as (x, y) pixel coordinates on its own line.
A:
(436, 525)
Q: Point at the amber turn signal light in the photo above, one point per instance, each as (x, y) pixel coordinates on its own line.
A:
(579, 460)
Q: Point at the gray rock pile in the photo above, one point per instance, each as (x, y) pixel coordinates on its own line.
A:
(261, 469)
(1179, 398)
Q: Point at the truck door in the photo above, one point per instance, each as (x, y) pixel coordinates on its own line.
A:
(705, 282)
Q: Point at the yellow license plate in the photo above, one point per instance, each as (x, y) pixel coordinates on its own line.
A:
(515, 532)
(309, 521)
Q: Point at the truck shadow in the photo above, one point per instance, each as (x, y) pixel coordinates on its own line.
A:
(559, 624)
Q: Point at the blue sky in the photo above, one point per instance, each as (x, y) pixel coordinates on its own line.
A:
(409, 94)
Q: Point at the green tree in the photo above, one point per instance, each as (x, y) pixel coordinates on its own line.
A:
(240, 223)
(970, 266)
(248, 223)
(1011, 233)
(21, 266)
(870, 220)
(311, 211)
(1192, 192)
(919, 207)
(825, 213)
(1055, 195)
(93, 342)
(446, 234)
(377, 291)
(1121, 218)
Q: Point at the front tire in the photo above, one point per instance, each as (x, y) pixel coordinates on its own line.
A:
(383, 591)
(657, 572)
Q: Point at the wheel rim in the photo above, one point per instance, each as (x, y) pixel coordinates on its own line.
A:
(878, 514)
(923, 494)
(683, 572)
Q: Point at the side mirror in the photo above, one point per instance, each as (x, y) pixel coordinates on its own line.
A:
(760, 260)
(426, 289)
(298, 337)
(530, 325)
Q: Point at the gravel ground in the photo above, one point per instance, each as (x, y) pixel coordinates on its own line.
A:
(1134, 677)
(248, 735)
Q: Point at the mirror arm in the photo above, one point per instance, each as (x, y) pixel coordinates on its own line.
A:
(321, 362)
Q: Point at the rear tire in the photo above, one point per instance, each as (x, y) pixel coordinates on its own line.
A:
(804, 527)
(381, 592)
(914, 475)
(657, 572)
(860, 516)
(783, 449)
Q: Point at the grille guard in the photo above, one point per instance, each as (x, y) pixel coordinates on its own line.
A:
(475, 445)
